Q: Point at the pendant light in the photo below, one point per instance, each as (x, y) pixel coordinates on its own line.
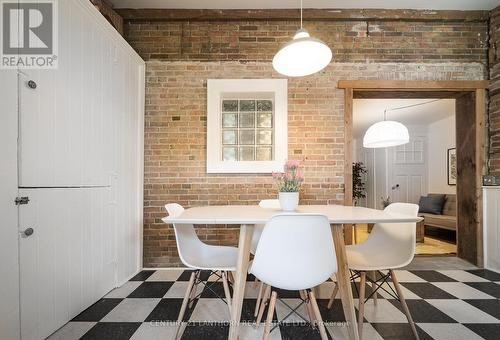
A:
(389, 133)
(303, 55)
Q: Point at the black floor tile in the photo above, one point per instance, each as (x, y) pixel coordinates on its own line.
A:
(489, 331)
(432, 276)
(248, 310)
(151, 290)
(205, 332)
(299, 332)
(143, 275)
(98, 310)
(286, 294)
(486, 274)
(111, 331)
(427, 290)
(491, 306)
(398, 331)
(334, 314)
(168, 310)
(214, 290)
(424, 312)
(205, 274)
(490, 288)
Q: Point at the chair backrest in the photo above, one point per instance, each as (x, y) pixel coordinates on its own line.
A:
(295, 252)
(185, 235)
(398, 238)
(270, 204)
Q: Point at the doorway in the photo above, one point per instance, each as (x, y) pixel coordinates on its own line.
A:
(470, 108)
(410, 172)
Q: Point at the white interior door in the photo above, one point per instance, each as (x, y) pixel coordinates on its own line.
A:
(69, 260)
(408, 170)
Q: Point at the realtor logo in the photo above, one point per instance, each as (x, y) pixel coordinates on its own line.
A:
(29, 34)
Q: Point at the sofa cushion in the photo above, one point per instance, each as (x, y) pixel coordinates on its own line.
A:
(431, 204)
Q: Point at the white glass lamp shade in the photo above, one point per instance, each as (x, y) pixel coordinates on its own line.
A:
(302, 56)
(385, 134)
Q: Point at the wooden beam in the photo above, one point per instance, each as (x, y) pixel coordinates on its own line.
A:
(481, 142)
(414, 85)
(405, 94)
(309, 14)
(110, 14)
(348, 228)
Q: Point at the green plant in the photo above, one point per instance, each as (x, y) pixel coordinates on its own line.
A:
(358, 183)
(386, 201)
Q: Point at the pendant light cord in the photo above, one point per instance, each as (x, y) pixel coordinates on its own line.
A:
(300, 14)
(406, 106)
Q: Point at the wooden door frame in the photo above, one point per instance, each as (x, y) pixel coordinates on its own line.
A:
(471, 92)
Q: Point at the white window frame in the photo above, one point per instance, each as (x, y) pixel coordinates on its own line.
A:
(216, 88)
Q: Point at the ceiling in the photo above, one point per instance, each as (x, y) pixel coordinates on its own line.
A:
(369, 111)
(345, 4)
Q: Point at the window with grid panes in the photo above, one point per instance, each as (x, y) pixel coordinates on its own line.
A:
(247, 130)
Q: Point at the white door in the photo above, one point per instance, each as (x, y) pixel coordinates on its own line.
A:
(67, 258)
(407, 170)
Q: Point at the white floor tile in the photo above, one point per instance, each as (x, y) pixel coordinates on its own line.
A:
(72, 331)
(461, 311)
(408, 294)
(282, 310)
(178, 290)
(340, 332)
(131, 310)
(406, 276)
(384, 311)
(448, 331)
(154, 331)
(462, 276)
(250, 332)
(166, 275)
(461, 290)
(124, 291)
(210, 310)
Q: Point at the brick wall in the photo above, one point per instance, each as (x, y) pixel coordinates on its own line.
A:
(494, 105)
(391, 41)
(182, 55)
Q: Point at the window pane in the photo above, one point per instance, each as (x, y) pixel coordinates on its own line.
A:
(229, 154)
(264, 154)
(265, 120)
(230, 105)
(229, 120)
(247, 153)
(247, 105)
(264, 105)
(247, 120)
(229, 137)
(247, 137)
(265, 137)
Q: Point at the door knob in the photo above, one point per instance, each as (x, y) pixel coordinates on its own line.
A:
(28, 231)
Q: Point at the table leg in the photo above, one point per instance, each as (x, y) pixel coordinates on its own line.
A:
(244, 244)
(344, 282)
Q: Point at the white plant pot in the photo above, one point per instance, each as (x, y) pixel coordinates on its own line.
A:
(289, 201)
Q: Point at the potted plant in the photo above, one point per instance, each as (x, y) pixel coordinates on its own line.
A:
(358, 183)
(289, 183)
(386, 201)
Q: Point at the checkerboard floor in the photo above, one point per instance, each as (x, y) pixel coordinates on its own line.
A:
(445, 304)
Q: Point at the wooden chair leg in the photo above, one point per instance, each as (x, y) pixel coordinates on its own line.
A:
(334, 294)
(403, 304)
(195, 288)
(373, 276)
(255, 283)
(362, 289)
(184, 304)
(270, 313)
(226, 290)
(259, 298)
(266, 295)
(317, 314)
(310, 312)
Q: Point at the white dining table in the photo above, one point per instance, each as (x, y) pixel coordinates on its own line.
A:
(248, 215)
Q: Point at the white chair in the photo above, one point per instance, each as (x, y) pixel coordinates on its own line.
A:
(389, 246)
(295, 252)
(200, 256)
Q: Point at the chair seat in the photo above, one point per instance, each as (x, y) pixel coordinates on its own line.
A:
(207, 257)
(362, 257)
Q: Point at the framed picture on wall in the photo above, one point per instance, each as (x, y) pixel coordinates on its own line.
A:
(452, 166)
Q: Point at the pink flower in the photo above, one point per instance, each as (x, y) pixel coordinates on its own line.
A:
(300, 175)
(291, 165)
